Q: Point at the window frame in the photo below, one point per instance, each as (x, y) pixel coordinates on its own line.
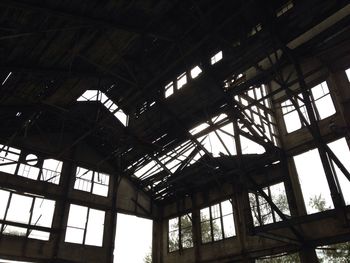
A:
(220, 217)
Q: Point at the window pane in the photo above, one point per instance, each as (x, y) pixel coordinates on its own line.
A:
(95, 226)
(173, 241)
(173, 224)
(77, 216)
(43, 212)
(325, 107)
(83, 179)
(41, 235)
(341, 150)
(310, 170)
(279, 197)
(74, 235)
(215, 211)
(217, 231)
(226, 207)
(19, 210)
(51, 171)
(229, 226)
(4, 195)
(28, 171)
(206, 232)
(14, 231)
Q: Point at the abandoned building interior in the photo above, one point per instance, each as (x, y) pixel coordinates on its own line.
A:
(222, 124)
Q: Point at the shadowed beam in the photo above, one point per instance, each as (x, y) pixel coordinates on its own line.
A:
(83, 19)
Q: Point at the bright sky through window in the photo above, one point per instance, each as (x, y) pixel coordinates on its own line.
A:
(348, 73)
(132, 232)
(195, 72)
(216, 58)
(96, 95)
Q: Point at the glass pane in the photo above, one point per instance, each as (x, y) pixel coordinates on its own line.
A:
(254, 208)
(41, 235)
(310, 170)
(43, 212)
(217, 231)
(292, 121)
(341, 150)
(4, 195)
(19, 210)
(279, 197)
(173, 241)
(173, 224)
(51, 171)
(229, 226)
(215, 211)
(186, 237)
(95, 226)
(77, 216)
(14, 231)
(226, 207)
(325, 107)
(206, 232)
(74, 235)
(265, 211)
(205, 214)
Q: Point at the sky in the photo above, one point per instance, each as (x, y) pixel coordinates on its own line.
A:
(133, 239)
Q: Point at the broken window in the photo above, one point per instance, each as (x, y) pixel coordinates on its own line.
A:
(51, 171)
(169, 89)
(322, 104)
(291, 115)
(85, 226)
(220, 140)
(91, 181)
(339, 252)
(195, 72)
(262, 211)
(181, 80)
(341, 149)
(180, 232)
(310, 170)
(29, 169)
(96, 95)
(284, 9)
(216, 58)
(9, 157)
(323, 101)
(257, 110)
(132, 232)
(28, 211)
(217, 222)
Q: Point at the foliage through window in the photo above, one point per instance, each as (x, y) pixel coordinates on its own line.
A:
(322, 104)
(180, 232)
(262, 212)
(217, 222)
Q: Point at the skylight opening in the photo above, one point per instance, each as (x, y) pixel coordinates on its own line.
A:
(181, 80)
(285, 8)
(216, 58)
(195, 72)
(96, 95)
(169, 89)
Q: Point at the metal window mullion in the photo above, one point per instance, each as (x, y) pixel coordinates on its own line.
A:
(258, 208)
(86, 224)
(211, 224)
(179, 233)
(30, 216)
(222, 222)
(272, 212)
(6, 210)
